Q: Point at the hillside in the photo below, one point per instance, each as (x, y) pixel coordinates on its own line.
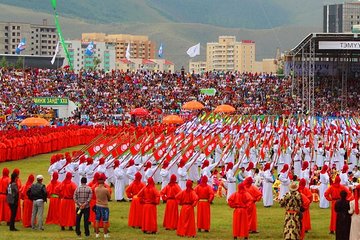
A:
(176, 37)
(249, 14)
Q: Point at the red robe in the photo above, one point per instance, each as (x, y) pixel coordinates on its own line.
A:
(149, 198)
(332, 194)
(206, 196)
(171, 214)
(306, 220)
(27, 206)
(305, 204)
(135, 211)
(53, 192)
(67, 205)
(4, 207)
(240, 201)
(186, 225)
(252, 214)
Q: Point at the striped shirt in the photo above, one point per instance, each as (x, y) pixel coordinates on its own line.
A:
(83, 195)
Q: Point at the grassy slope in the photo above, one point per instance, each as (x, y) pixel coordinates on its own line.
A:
(270, 219)
(176, 37)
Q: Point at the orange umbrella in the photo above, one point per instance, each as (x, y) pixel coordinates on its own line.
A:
(192, 105)
(224, 108)
(139, 112)
(172, 119)
(34, 122)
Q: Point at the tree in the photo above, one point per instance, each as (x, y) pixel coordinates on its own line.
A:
(96, 62)
(3, 62)
(19, 62)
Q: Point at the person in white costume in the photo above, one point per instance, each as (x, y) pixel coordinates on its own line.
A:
(267, 191)
(81, 169)
(230, 178)
(120, 180)
(355, 218)
(305, 172)
(319, 155)
(324, 182)
(89, 169)
(297, 161)
(165, 175)
(131, 170)
(206, 169)
(284, 181)
(344, 179)
(182, 172)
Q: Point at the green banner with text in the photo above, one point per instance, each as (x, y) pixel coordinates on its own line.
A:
(51, 101)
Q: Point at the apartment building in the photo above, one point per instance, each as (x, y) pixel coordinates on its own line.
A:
(41, 39)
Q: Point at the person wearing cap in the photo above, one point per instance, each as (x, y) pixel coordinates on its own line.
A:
(120, 180)
(355, 215)
(284, 180)
(332, 194)
(293, 203)
(187, 199)
(82, 197)
(39, 196)
(102, 210)
(168, 194)
(344, 176)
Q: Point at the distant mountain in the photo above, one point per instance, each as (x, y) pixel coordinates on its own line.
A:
(179, 24)
(250, 14)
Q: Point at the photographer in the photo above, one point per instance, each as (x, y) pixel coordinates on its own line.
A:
(37, 193)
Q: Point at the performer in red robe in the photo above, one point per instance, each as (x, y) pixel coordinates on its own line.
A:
(240, 201)
(149, 198)
(53, 193)
(256, 196)
(187, 200)
(27, 203)
(206, 196)
(168, 194)
(332, 194)
(306, 220)
(67, 205)
(135, 211)
(4, 206)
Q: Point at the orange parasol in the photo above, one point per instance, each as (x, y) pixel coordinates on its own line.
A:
(172, 119)
(224, 108)
(192, 105)
(34, 122)
(139, 112)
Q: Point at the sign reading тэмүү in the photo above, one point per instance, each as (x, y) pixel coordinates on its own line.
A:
(336, 45)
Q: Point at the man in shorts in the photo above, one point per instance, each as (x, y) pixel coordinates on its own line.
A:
(102, 210)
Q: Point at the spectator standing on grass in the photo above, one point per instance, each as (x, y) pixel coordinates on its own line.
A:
(102, 210)
(343, 218)
(12, 199)
(39, 196)
(82, 197)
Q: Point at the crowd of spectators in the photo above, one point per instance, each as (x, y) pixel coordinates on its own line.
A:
(108, 97)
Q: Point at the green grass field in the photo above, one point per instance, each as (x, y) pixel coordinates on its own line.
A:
(270, 220)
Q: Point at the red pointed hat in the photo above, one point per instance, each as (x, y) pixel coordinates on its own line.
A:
(285, 168)
(250, 166)
(267, 166)
(305, 165)
(345, 168)
(205, 163)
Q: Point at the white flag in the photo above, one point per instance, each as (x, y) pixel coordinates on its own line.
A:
(194, 50)
(56, 52)
(128, 55)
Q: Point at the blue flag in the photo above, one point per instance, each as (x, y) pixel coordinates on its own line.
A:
(21, 47)
(160, 53)
(90, 49)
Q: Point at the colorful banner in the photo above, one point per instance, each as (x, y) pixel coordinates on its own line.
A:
(208, 91)
(57, 24)
(51, 101)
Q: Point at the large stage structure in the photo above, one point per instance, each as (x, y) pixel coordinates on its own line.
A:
(334, 56)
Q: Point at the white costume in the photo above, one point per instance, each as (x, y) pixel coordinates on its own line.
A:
(267, 191)
(324, 182)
